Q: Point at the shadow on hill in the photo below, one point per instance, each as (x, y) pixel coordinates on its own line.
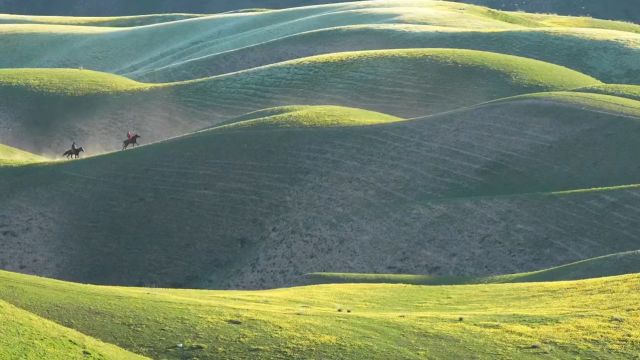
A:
(254, 207)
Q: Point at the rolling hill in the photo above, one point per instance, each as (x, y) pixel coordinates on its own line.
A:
(123, 7)
(589, 318)
(13, 156)
(345, 145)
(25, 336)
(626, 10)
(45, 112)
(262, 201)
(216, 44)
(608, 265)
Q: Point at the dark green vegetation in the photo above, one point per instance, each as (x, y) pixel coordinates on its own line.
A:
(598, 319)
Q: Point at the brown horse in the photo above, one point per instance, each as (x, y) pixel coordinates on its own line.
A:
(133, 141)
(75, 152)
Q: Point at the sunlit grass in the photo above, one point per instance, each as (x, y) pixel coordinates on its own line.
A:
(12, 156)
(592, 318)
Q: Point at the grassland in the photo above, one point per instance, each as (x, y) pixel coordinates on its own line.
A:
(308, 116)
(262, 204)
(608, 265)
(403, 83)
(29, 337)
(115, 21)
(593, 318)
(359, 142)
(67, 82)
(190, 49)
(13, 156)
(624, 10)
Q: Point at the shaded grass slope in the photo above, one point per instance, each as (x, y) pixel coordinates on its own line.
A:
(603, 266)
(123, 7)
(29, 337)
(591, 318)
(121, 21)
(44, 118)
(258, 206)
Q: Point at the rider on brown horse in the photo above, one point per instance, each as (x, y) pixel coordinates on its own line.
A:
(132, 139)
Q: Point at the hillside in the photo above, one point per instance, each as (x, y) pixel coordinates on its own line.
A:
(609, 265)
(124, 7)
(28, 337)
(13, 156)
(626, 10)
(262, 205)
(216, 44)
(555, 320)
(120, 21)
(96, 110)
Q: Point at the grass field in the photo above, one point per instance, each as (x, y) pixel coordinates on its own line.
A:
(47, 113)
(267, 204)
(594, 318)
(13, 156)
(447, 181)
(199, 47)
(30, 337)
(608, 265)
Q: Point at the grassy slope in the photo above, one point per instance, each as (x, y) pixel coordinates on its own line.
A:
(28, 337)
(167, 46)
(308, 116)
(607, 55)
(275, 203)
(119, 21)
(404, 83)
(625, 91)
(593, 318)
(625, 10)
(123, 7)
(608, 265)
(67, 82)
(13, 156)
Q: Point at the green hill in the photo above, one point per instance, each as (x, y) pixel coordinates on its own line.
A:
(216, 44)
(121, 21)
(626, 10)
(28, 337)
(607, 55)
(122, 7)
(13, 156)
(260, 205)
(559, 320)
(96, 109)
(609, 265)
(625, 91)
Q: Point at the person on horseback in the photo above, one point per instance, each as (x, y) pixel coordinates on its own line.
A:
(132, 139)
(73, 146)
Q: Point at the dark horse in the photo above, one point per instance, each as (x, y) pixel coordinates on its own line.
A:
(75, 152)
(133, 141)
